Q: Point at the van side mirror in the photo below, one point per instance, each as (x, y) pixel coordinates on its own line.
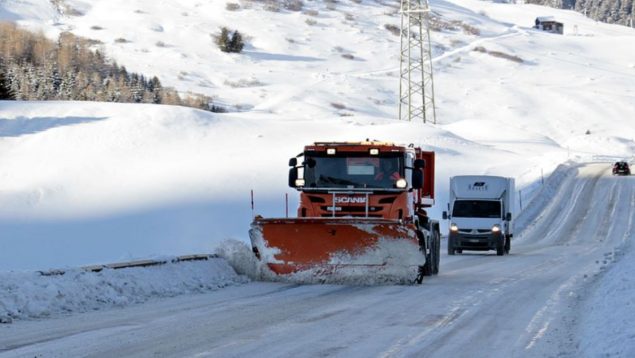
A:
(508, 217)
(293, 176)
(293, 162)
(417, 179)
(419, 164)
(445, 215)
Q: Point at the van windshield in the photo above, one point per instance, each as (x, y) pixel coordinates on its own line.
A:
(476, 209)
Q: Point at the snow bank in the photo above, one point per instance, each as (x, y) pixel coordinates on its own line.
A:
(32, 295)
(611, 306)
(536, 201)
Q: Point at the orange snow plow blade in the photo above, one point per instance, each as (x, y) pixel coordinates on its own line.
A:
(290, 245)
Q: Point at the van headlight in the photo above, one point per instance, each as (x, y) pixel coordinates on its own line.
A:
(401, 183)
(454, 228)
(496, 229)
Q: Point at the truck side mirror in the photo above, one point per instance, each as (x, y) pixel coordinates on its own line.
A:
(293, 162)
(508, 217)
(445, 215)
(293, 176)
(417, 179)
(419, 164)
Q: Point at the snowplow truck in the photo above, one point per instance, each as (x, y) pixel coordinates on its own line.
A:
(362, 205)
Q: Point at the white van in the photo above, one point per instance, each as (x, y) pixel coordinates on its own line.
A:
(480, 213)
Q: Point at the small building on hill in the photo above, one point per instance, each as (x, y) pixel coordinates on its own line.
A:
(549, 24)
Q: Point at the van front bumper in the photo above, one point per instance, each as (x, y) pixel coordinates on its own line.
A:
(476, 241)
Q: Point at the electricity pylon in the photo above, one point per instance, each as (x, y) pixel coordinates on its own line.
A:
(416, 89)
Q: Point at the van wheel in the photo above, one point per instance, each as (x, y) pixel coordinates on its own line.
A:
(508, 244)
(451, 249)
(500, 246)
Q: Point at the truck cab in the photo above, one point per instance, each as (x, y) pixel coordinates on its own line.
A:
(362, 179)
(480, 214)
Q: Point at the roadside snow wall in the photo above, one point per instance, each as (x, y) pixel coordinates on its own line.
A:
(34, 295)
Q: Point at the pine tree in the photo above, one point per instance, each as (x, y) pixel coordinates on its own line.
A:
(124, 93)
(97, 87)
(236, 44)
(625, 12)
(5, 89)
(13, 74)
(112, 93)
(156, 89)
(136, 88)
(24, 89)
(123, 74)
(227, 43)
(223, 40)
(30, 83)
(67, 86)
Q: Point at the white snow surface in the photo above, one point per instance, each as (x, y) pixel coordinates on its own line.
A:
(32, 295)
(89, 183)
(607, 327)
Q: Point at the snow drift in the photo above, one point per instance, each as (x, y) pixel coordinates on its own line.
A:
(25, 295)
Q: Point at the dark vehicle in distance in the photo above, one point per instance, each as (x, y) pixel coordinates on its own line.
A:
(621, 168)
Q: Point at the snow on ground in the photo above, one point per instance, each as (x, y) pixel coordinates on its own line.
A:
(523, 297)
(32, 295)
(607, 328)
(89, 183)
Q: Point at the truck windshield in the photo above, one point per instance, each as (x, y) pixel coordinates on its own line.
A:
(351, 171)
(476, 209)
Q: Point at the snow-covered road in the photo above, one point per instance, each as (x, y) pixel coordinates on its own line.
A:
(524, 304)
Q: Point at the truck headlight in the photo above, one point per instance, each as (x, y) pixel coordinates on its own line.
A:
(496, 228)
(454, 228)
(299, 182)
(401, 183)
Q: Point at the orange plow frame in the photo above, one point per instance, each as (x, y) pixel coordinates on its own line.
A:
(291, 245)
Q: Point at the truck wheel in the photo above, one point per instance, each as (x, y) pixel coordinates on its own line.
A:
(437, 252)
(424, 270)
(451, 249)
(428, 267)
(500, 246)
(508, 244)
(419, 278)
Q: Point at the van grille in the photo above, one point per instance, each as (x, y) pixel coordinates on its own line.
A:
(478, 231)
